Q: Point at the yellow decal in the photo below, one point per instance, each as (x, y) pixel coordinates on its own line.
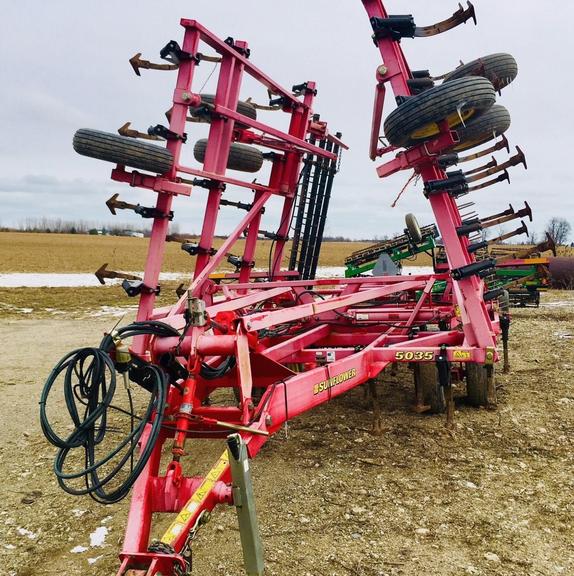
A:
(334, 381)
(489, 357)
(461, 355)
(194, 503)
(416, 355)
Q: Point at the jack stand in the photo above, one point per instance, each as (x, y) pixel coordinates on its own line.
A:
(244, 502)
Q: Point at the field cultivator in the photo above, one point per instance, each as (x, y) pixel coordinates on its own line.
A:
(239, 357)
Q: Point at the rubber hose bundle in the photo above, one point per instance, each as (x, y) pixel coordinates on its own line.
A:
(89, 380)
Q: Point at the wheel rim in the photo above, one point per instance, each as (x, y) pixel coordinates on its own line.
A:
(455, 119)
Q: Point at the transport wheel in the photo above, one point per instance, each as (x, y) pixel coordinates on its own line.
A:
(244, 108)
(416, 120)
(480, 388)
(501, 69)
(428, 390)
(413, 228)
(121, 150)
(241, 157)
(491, 124)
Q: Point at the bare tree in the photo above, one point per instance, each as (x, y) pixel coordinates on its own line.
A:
(559, 229)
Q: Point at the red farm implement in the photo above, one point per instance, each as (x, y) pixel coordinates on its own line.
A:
(277, 342)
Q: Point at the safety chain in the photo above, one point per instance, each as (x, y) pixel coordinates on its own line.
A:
(186, 553)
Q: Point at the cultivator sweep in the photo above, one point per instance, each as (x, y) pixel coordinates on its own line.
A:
(243, 353)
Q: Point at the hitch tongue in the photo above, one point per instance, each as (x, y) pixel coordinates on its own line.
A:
(461, 16)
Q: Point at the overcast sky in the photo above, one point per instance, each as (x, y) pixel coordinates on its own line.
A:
(65, 66)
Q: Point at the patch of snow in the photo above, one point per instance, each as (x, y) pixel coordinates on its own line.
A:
(79, 549)
(115, 311)
(98, 536)
(9, 546)
(94, 560)
(57, 280)
(27, 533)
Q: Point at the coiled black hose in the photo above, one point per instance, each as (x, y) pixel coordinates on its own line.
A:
(89, 380)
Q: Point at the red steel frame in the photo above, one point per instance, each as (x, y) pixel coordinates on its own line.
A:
(302, 342)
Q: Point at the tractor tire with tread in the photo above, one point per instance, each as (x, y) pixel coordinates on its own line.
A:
(241, 156)
(491, 124)
(501, 69)
(122, 150)
(428, 387)
(416, 120)
(480, 385)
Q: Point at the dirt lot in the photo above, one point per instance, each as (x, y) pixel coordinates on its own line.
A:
(492, 498)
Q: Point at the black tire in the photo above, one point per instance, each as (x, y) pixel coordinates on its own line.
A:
(244, 108)
(122, 150)
(501, 69)
(480, 385)
(241, 157)
(413, 228)
(429, 390)
(416, 120)
(491, 124)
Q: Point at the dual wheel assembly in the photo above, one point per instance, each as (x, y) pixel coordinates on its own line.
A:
(157, 159)
(430, 395)
(465, 99)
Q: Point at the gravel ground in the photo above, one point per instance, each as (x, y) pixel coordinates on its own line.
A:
(492, 497)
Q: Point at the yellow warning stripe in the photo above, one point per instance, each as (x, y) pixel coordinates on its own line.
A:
(194, 503)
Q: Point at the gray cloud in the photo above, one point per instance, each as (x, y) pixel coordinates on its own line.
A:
(74, 73)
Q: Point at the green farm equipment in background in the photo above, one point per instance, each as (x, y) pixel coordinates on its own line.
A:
(413, 241)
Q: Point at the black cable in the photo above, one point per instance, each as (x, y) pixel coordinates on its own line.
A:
(89, 385)
(210, 373)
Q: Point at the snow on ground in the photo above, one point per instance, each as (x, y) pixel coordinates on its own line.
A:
(31, 280)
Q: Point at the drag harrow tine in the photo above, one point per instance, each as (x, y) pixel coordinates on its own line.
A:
(502, 143)
(461, 16)
(518, 158)
(137, 63)
(505, 176)
(125, 130)
(490, 164)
